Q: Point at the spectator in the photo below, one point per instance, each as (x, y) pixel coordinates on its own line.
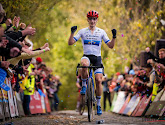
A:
(153, 59)
(106, 93)
(120, 78)
(151, 74)
(29, 89)
(56, 99)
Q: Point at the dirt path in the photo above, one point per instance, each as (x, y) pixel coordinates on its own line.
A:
(70, 117)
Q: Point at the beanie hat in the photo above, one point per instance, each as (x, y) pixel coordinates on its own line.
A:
(38, 59)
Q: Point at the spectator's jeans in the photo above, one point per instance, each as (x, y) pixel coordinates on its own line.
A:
(26, 104)
(51, 102)
(22, 96)
(56, 101)
(107, 95)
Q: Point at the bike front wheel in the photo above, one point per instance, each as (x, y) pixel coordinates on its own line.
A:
(90, 100)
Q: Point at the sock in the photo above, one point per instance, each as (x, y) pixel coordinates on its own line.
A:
(78, 103)
(98, 100)
(84, 82)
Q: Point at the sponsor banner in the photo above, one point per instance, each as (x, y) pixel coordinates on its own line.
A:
(125, 104)
(158, 107)
(1, 106)
(4, 93)
(114, 100)
(10, 99)
(16, 106)
(163, 96)
(47, 102)
(119, 101)
(134, 105)
(139, 104)
(162, 113)
(159, 95)
(5, 103)
(130, 104)
(19, 104)
(144, 106)
(6, 108)
(43, 104)
(35, 103)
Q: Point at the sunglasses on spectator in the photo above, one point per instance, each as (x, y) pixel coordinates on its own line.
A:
(92, 18)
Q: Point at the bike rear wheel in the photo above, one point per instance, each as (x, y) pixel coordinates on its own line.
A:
(90, 100)
(82, 105)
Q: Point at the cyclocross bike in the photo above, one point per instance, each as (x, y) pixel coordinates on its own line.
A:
(89, 98)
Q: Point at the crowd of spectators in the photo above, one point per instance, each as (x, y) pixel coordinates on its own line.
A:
(143, 80)
(18, 63)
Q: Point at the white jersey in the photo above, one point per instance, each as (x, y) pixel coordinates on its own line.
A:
(92, 42)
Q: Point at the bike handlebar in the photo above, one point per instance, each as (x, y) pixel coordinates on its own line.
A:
(90, 67)
(78, 66)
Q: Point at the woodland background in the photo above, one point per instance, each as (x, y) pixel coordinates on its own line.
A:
(137, 22)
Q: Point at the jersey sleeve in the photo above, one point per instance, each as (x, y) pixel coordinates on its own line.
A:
(77, 36)
(105, 37)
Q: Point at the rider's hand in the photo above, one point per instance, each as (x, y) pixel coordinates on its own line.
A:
(114, 33)
(73, 29)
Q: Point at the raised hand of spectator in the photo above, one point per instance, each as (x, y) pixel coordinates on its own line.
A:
(8, 22)
(44, 46)
(159, 67)
(5, 64)
(47, 49)
(27, 51)
(16, 21)
(29, 31)
(22, 25)
(147, 49)
(150, 61)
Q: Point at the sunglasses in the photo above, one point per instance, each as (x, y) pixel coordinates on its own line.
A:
(92, 18)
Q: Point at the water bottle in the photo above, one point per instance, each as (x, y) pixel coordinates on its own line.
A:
(100, 121)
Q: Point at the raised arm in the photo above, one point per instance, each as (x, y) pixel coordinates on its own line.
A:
(71, 40)
(112, 43)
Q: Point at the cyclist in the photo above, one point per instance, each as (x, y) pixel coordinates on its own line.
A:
(91, 39)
